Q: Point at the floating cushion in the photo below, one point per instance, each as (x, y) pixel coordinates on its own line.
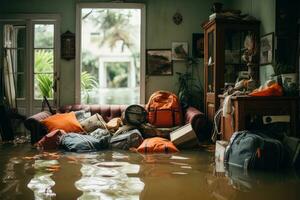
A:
(157, 145)
(51, 140)
(65, 121)
(92, 123)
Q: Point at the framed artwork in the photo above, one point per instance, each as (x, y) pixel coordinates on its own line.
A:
(266, 49)
(198, 45)
(180, 50)
(159, 62)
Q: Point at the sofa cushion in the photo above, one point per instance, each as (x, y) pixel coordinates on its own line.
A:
(65, 121)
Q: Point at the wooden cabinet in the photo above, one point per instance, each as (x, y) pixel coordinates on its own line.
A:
(223, 50)
(249, 113)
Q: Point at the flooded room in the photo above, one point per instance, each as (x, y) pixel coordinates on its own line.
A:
(149, 99)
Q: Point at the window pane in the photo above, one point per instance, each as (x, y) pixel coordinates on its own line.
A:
(43, 61)
(21, 36)
(20, 85)
(43, 35)
(20, 62)
(43, 86)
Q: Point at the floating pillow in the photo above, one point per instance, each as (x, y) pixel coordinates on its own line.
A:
(157, 145)
(65, 121)
(92, 123)
(51, 140)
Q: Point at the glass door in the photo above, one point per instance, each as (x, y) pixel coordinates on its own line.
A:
(30, 50)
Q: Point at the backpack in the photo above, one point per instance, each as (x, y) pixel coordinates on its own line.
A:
(164, 109)
(127, 140)
(254, 150)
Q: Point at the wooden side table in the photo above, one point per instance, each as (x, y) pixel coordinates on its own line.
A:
(247, 107)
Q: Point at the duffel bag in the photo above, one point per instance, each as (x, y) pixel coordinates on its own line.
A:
(254, 150)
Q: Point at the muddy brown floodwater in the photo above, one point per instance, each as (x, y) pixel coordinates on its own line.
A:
(29, 174)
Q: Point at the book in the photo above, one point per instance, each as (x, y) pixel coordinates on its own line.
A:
(184, 137)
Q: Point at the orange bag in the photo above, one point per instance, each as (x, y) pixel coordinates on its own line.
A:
(157, 145)
(273, 90)
(164, 109)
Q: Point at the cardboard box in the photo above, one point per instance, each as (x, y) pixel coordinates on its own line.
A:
(184, 137)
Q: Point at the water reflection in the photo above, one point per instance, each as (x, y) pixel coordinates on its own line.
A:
(109, 180)
(10, 179)
(27, 174)
(41, 184)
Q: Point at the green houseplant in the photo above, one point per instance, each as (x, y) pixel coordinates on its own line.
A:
(190, 90)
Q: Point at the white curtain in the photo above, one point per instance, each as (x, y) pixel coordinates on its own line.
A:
(9, 83)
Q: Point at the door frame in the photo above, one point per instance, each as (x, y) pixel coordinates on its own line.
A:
(29, 20)
(80, 6)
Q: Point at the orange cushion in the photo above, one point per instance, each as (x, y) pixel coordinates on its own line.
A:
(157, 145)
(65, 121)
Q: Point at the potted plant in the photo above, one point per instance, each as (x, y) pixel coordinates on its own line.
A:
(190, 91)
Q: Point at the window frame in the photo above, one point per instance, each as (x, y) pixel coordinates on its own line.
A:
(79, 7)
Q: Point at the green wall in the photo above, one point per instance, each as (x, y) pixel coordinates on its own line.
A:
(265, 11)
(160, 32)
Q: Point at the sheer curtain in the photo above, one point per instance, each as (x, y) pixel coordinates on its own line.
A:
(9, 83)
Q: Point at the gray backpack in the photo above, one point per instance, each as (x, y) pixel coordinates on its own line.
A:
(254, 150)
(127, 140)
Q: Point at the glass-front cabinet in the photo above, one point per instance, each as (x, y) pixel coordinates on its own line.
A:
(225, 42)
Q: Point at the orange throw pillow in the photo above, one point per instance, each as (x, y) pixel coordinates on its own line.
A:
(157, 145)
(65, 121)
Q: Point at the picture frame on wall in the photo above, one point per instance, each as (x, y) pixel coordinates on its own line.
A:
(198, 45)
(180, 50)
(266, 49)
(159, 62)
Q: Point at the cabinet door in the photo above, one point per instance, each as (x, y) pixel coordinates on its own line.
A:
(237, 44)
(210, 75)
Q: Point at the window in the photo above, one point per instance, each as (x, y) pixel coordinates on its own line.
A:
(111, 66)
(43, 60)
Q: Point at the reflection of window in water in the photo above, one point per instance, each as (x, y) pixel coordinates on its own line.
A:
(109, 180)
(41, 184)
